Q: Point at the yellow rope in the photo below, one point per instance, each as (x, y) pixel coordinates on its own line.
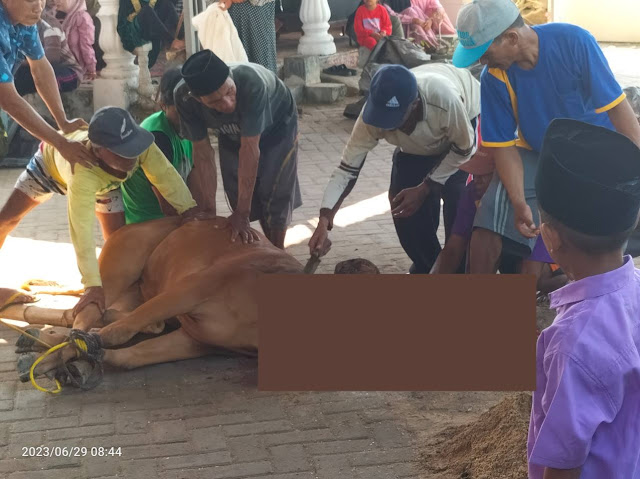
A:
(80, 344)
(24, 333)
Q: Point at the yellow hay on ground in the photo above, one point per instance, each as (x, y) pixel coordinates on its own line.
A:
(493, 447)
(534, 12)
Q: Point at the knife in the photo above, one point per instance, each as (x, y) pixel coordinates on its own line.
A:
(312, 264)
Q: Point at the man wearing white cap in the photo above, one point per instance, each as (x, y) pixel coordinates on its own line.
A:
(532, 76)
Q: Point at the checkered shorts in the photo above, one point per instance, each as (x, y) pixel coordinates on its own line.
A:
(37, 184)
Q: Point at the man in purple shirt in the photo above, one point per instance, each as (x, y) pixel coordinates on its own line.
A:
(585, 420)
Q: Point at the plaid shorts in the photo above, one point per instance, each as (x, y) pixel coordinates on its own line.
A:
(37, 184)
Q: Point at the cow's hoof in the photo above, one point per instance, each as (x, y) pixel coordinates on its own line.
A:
(82, 374)
(25, 361)
(25, 344)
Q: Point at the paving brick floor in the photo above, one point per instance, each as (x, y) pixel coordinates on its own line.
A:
(205, 418)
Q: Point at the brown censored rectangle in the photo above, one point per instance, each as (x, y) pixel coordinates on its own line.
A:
(397, 333)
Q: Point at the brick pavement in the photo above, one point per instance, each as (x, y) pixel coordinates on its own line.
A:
(204, 418)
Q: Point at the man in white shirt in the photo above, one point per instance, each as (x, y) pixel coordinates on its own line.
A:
(430, 114)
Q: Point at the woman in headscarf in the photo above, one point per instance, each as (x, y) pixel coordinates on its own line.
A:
(426, 19)
(80, 31)
(255, 22)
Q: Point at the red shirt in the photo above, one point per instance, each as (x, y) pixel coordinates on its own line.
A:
(371, 21)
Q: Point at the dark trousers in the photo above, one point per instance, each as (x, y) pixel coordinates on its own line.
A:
(25, 85)
(418, 233)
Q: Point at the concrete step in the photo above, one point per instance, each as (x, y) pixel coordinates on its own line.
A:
(324, 93)
(351, 82)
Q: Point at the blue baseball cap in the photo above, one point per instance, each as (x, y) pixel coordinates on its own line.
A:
(479, 24)
(393, 89)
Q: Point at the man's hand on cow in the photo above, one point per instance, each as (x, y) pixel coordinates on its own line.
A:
(92, 295)
(241, 227)
(75, 152)
(524, 221)
(196, 214)
(409, 200)
(320, 242)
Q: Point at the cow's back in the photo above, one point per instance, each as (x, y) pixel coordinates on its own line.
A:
(200, 245)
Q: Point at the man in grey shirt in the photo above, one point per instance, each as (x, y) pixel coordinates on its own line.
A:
(430, 114)
(255, 118)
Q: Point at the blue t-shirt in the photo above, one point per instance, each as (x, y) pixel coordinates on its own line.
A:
(16, 42)
(572, 79)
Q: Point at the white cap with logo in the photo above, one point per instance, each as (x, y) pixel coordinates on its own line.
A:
(479, 24)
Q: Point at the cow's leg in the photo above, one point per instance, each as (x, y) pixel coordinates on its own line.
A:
(125, 255)
(122, 260)
(174, 346)
(183, 299)
(164, 306)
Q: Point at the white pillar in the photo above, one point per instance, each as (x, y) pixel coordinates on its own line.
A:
(315, 15)
(145, 87)
(118, 81)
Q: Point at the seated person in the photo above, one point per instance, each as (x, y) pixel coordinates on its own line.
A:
(426, 19)
(371, 23)
(142, 201)
(68, 73)
(81, 31)
(121, 147)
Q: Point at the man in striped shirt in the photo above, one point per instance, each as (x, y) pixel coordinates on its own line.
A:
(430, 114)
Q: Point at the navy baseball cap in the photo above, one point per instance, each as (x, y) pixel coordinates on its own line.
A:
(115, 129)
(393, 89)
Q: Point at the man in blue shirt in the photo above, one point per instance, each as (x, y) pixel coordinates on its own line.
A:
(19, 39)
(532, 76)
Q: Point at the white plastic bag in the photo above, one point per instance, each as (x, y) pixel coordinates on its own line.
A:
(217, 33)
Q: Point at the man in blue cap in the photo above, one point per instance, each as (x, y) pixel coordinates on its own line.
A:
(430, 114)
(532, 76)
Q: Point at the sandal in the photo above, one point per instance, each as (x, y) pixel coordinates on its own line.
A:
(340, 70)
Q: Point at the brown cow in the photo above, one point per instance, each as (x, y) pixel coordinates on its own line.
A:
(159, 270)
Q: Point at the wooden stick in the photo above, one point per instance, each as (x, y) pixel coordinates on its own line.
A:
(36, 315)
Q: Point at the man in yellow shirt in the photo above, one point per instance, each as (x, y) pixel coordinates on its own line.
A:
(121, 147)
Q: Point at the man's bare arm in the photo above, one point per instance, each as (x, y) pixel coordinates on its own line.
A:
(248, 159)
(45, 80)
(204, 181)
(625, 122)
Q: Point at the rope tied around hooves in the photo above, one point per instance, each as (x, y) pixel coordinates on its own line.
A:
(89, 347)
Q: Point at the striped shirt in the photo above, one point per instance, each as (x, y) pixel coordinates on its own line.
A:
(55, 44)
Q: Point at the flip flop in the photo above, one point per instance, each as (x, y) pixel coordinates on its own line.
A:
(340, 70)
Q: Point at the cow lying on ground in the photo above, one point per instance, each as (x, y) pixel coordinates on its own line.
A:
(159, 270)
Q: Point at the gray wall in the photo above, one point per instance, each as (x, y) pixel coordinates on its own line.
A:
(340, 9)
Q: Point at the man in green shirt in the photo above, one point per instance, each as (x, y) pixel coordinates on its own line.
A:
(142, 201)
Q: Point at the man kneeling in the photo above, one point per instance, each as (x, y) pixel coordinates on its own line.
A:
(121, 147)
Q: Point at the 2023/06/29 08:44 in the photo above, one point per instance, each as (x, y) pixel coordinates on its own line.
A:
(71, 451)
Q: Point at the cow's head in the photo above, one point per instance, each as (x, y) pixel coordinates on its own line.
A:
(356, 266)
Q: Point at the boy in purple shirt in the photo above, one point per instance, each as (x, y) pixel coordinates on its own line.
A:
(585, 419)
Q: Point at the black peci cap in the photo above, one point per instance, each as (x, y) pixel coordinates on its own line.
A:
(204, 73)
(589, 178)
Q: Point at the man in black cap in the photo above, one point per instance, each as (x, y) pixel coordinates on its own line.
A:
(584, 418)
(255, 118)
(121, 147)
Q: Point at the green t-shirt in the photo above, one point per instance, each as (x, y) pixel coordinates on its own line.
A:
(140, 202)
